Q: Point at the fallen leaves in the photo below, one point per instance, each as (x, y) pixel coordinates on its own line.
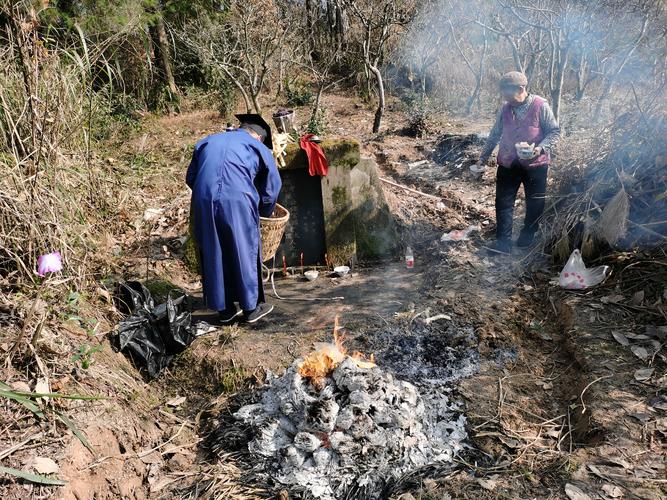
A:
(44, 465)
(176, 402)
(612, 299)
(620, 338)
(544, 385)
(640, 352)
(643, 374)
(489, 484)
(575, 493)
(612, 491)
(659, 403)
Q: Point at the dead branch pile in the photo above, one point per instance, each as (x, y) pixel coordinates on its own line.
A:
(612, 188)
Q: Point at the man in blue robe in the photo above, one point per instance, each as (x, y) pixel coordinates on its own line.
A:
(234, 180)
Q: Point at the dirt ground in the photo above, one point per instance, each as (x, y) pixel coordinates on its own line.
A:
(555, 408)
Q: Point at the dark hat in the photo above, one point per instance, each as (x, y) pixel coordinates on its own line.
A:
(257, 123)
(514, 78)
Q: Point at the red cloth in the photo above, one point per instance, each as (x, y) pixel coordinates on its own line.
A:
(317, 162)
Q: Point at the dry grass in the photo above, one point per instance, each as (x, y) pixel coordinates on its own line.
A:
(52, 197)
(611, 187)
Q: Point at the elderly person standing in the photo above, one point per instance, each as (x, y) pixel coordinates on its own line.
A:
(524, 118)
(234, 181)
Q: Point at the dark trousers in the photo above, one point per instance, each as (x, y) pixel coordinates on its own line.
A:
(508, 180)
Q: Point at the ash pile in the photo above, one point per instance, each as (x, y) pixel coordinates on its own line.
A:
(336, 425)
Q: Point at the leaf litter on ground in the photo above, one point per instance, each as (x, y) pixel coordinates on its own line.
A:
(612, 491)
(640, 352)
(575, 493)
(620, 338)
(643, 374)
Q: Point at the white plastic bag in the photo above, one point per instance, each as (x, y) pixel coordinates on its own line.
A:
(459, 234)
(575, 275)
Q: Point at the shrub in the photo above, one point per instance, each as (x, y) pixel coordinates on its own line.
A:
(317, 124)
(420, 112)
(298, 94)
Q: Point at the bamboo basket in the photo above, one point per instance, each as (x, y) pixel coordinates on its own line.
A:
(271, 231)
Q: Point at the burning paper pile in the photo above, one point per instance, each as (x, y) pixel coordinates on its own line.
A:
(335, 423)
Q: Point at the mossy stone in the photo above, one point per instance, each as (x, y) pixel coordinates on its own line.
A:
(191, 249)
(339, 152)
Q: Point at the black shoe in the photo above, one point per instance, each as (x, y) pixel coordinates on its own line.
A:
(499, 247)
(258, 313)
(229, 315)
(525, 239)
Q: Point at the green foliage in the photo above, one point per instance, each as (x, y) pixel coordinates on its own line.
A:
(420, 112)
(234, 379)
(117, 112)
(226, 95)
(318, 123)
(298, 94)
(85, 355)
(162, 100)
(33, 478)
(160, 289)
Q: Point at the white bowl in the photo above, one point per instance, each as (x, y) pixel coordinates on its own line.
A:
(311, 275)
(341, 270)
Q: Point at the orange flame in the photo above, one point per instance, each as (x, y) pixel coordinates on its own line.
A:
(320, 363)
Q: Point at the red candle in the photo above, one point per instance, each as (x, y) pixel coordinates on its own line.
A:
(284, 266)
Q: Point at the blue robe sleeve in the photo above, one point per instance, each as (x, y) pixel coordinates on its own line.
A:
(267, 182)
(193, 169)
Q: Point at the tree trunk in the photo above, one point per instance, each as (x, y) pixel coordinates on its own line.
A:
(26, 43)
(281, 71)
(310, 28)
(478, 77)
(581, 78)
(381, 104)
(612, 79)
(535, 54)
(557, 90)
(318, 99)
(255, 102)
(165, 56)
(244, 94)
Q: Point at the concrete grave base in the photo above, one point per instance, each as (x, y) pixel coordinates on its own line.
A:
(356, 221)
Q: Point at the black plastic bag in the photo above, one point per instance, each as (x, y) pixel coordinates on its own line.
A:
(132, 296)
(152, 336)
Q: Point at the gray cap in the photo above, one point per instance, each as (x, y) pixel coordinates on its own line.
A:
(515, 78)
